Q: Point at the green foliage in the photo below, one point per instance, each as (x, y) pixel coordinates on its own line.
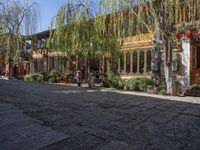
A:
(133, 84)
(34, 77)
(69, 74)
(144, 82)
(162, 90)
(54, 76)
(16, 19)
(27, 77)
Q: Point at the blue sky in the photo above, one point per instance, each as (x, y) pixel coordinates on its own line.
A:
(48, 9)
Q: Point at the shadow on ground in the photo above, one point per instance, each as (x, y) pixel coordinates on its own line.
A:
(97, 120)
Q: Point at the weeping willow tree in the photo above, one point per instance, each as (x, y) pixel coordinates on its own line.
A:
(90, 30)
(81, 26)
(16, 18)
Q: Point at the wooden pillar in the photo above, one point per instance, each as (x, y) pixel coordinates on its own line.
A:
(138, 62)
(119, 64)
(125, 63)
(145, 62)
(131, 62)
(195, 9)
(86, 69)
(190, 15)
(184, 13)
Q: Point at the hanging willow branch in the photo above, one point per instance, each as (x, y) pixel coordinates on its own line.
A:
(16, 19)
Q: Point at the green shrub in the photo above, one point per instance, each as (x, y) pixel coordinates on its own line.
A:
(34, 77)
(133, 84)
(54, 76)
(52, 80)
(53, 73)
(106, 83)
(69, 74)
(162, 90)
(126, 85)
(27, 77)
(120, 83)
(143, 82)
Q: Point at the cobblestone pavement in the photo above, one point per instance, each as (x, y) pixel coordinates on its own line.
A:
(93, 119)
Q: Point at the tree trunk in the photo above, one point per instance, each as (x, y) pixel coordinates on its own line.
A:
(170, 80)
(169, 75)
(86, 69)
(10, 70)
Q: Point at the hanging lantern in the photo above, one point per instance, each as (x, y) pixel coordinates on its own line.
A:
(189, 34)
(178, 35)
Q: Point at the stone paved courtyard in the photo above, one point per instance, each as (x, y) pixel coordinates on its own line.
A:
(71, 118)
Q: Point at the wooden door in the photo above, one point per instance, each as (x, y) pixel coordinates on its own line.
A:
(195, 64)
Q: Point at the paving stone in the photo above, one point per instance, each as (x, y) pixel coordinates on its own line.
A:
(116, 145)
(192, 111)
(33, 130)
(183, 121)
(74, 130)
(37, 142)
(104, 134)
(94, 120)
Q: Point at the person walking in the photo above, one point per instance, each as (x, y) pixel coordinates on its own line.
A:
(78, 78)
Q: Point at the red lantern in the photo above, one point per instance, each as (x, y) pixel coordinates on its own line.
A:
(190, 34)
(178, 35)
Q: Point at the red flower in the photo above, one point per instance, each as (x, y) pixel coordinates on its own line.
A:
(189, 34)
(178, 35)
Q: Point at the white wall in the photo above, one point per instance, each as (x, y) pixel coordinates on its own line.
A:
(185, 54)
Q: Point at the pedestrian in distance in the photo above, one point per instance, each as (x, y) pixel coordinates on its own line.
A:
(78, 78)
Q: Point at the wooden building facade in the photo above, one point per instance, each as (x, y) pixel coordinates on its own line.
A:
(137, 56)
